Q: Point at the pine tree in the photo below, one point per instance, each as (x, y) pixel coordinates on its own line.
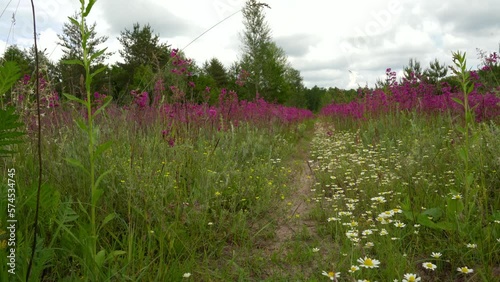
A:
(413, 70)
(435, 72)
(71, 42)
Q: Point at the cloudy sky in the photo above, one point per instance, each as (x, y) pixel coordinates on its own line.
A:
(332, 43)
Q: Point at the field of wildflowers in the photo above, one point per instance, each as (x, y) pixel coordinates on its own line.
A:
(401, 184)
(397, 190)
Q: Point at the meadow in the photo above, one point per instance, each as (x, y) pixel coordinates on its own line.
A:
(399, 184)
(255, 191)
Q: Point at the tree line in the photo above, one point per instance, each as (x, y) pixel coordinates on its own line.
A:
(150, 65)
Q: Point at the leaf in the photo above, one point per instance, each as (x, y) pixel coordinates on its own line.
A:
(89, 8)
(107, 219)
(83, 209)
(461, 129)
(116, 253)
(443, 225)
(98, 54)
(9, 130)
(463, 154)
(96, 194)
(470, 88)
(103, 147)
(74, 21)
(9, 74)
(82, 125)
(453, 206)
(96, 72)
(107, 100)
(425, 221)
(458, 101)
(435, 213)
(100, 257)
(446, 225)
(74, 98)
(72, 62)
(469, 178)
(409, 215)
(77, 163)
(98, 181)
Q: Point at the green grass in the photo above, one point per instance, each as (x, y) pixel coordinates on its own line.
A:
(201, 206)
(410, 164)
(224, 205)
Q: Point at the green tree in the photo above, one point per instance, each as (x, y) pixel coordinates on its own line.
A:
(142, 47)
(144, 58)
(262, 58)
(71, 42)
(50, 72)
(435, 72)
(216, 70)
(20, 57)
(413, 70)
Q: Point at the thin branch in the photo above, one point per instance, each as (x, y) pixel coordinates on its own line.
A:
(40, 168)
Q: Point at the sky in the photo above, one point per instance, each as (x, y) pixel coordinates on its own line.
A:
(342, 44)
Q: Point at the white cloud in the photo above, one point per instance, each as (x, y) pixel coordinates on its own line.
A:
(324, 39)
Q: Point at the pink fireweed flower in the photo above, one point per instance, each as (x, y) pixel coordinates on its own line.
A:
(26, 79)
(212, 113)
(174, 53)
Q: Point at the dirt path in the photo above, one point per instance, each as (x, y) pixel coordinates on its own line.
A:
(295, 233)
(297, 207)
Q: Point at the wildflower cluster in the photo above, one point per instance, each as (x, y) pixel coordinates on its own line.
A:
(414, 94)
(357, 191)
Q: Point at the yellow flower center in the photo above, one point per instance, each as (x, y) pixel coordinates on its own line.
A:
(331, 274)
(369, 262)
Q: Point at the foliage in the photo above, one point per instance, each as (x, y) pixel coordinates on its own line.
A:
(92, 258)
(9, 74)
(265, 61)
(435, 72)
(413, 70)
(142, 47)
(20, 57)
(71, 42)
(216, 70)
(10, 133)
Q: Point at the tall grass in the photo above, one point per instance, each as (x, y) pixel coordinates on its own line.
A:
(391, 189)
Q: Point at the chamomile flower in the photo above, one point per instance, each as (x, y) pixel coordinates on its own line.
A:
(429, 265)
(383, 232)
(353, 268)
(332, 275)
(367, 232)
(186, 275)
(465, 270)
(471, 246)
(399, 224)
(411, 277)
(369, 244)
(436, 255)
(368, 262)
